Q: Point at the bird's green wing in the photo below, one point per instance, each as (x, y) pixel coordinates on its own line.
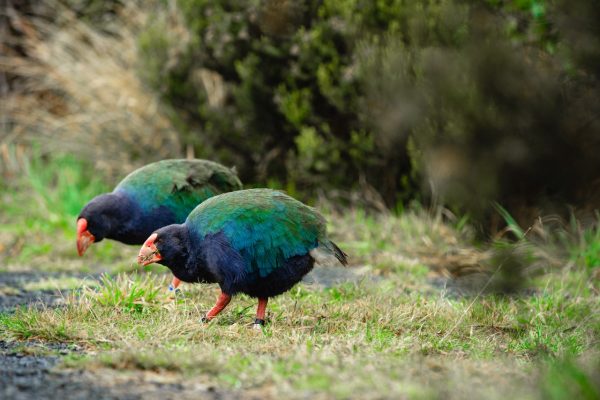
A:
(179, 185)
(265, 226)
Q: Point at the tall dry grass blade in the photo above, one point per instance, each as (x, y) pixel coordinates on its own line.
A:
(79, 92)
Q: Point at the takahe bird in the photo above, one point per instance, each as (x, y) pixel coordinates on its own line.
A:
(258, 241)
(156, 195)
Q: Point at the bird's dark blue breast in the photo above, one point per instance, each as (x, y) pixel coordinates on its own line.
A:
(280, 280)
(235, 275)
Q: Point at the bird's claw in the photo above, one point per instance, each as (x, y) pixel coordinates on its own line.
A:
(258, 323)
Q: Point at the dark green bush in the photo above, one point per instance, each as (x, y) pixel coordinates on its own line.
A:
(466, 101)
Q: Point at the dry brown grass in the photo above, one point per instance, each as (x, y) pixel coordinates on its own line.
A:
(417, 236)
(77, 90)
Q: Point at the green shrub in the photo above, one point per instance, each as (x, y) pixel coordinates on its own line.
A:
(465, 101)
(461, 102)
(273, 88)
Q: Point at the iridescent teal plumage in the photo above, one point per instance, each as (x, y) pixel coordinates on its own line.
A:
(264, 226)
(156, 195)
(178, 185)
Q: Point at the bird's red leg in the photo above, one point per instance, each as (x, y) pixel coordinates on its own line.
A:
(221, 303)
(260, 311)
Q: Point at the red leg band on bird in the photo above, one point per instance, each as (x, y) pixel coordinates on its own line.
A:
(222, 302)
(260, 310)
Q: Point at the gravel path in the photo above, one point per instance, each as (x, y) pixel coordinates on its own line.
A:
(28, 377)
(13, 294)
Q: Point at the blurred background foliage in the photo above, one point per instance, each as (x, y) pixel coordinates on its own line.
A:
(453, 103)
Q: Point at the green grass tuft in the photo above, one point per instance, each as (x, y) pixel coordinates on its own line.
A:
(590, 247)
(37, 227)
(568, 379)
(133, 293)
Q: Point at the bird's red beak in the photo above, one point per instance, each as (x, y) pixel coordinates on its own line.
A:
(149, 253)
(84, 237)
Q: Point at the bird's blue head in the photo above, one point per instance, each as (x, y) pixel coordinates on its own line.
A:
(168, 246)
(96, 219)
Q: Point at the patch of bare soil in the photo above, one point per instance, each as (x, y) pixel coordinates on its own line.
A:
(13, 293)
(28, 377)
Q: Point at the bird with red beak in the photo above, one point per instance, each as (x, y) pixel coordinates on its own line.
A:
(116, 216)
(151, 197)
(108, 216)
(259, 242)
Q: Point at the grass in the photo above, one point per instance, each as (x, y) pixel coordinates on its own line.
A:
(62, 283)
(393, 333)
(590, 248)
(371, 333)
(37, 227)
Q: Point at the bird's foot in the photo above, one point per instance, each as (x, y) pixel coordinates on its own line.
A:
(172, 294)
(174, 290)
(258, 324)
